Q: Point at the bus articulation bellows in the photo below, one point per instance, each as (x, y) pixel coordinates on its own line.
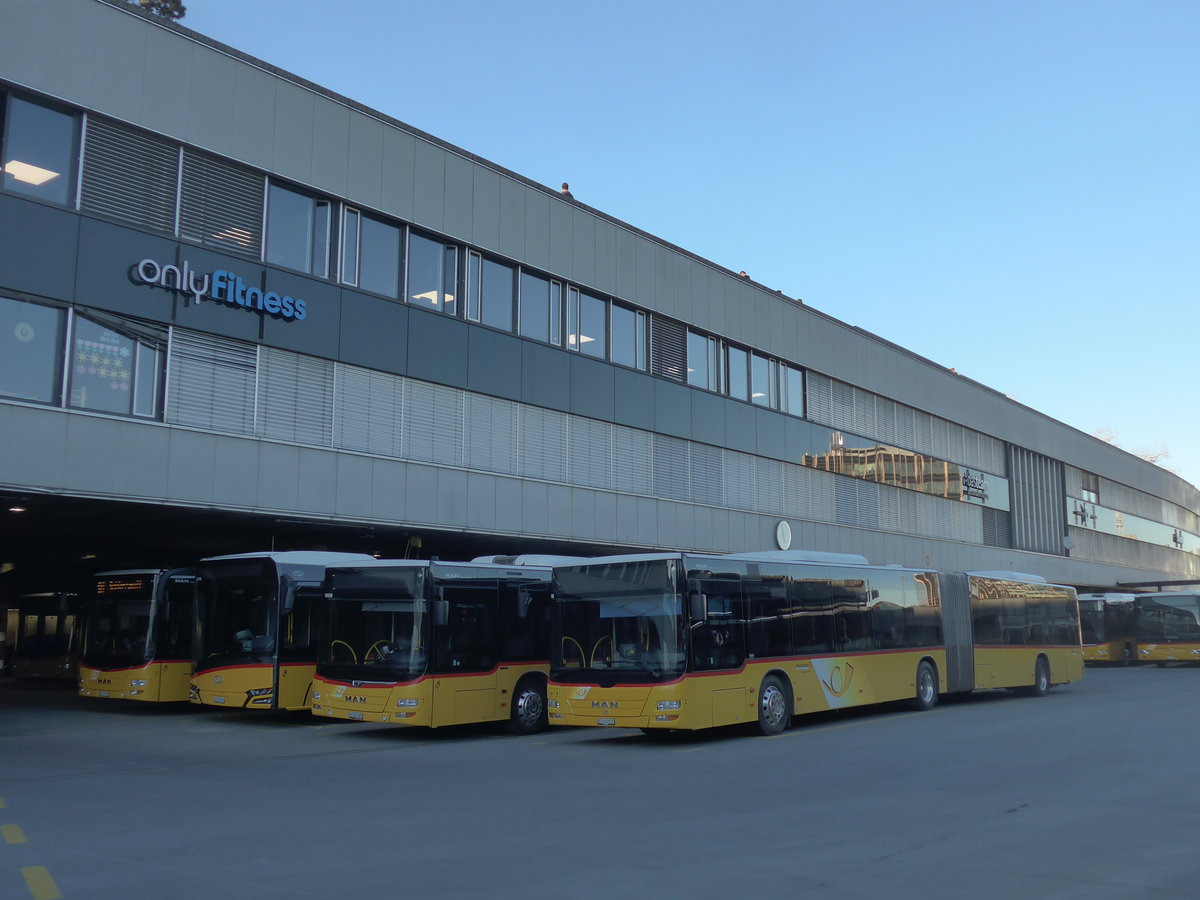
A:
(137, 636)
(692, 641)
(409, 642)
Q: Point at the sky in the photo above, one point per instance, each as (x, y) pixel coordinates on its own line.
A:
(1010, 188)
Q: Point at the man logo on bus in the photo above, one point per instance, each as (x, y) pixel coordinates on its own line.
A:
(605, 704)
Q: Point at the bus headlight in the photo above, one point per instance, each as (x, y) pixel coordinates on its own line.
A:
(141, 682)
(407, 702)
(552, 703)
(316, 695)
(259, 695)
(668, 704)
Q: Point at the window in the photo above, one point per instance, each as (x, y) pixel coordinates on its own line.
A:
(1091, 487)
(432, 273)
(116, 367)
(739, 374)
(31, 339)
(298, 231)
(628, 337)
(379, 257)
(704, 361)
(349, 258)
(794, 391)
(40, 147)
(539, 312)
(490, 292)
(764, 378)
(592, 336)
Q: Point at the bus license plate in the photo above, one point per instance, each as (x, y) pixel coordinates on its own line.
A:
(606, 721)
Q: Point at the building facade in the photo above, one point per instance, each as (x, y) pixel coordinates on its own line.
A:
(223, 288)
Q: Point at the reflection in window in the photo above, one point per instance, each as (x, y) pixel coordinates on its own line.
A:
(704, 361)
(432, 273)
(628, 337)
(496, 295)
(794, 387)
(39, 151)
(535, 308)
(763, 380)
(114, 370)
(379, 257)
(593, 322)
(739, 374)
(30, 351)
(298, 231)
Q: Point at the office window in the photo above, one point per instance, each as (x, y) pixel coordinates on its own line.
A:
(349, 256)
(704, 361)
(535, 308)
(794, 400)
(220, 204)
(628, 337)
(40, 150)
(739, 374)
(31, 340)
(764, 378)
(115, 367)
(432, 273)
(592, 337)
(492, 292)
(298, 231)
(379, 257)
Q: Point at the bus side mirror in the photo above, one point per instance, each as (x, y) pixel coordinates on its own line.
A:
(523, 602)
(441, 612)
(699, 606)
(287, 594)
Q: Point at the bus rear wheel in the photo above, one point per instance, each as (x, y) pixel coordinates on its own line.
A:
(1041, 679)
(528, 715)
(774, 714)
(927, 692)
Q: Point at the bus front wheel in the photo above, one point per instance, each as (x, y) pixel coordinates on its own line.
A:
(528, 715)
(773, 713)
(927, 692)
(1041, 679)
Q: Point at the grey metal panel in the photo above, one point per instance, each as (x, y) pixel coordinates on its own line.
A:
(481, 501)
(292, 154)
(719, 531)
(684, 537)
(583, 514)
(627, 519)
(278, 477)
(39, 457)
(107, 255)
(702, 534)
(191, 466)
(421, 494)
(558, 509)
(494, 363)
(364, 154)
(165, 80)
(513, 221)
(769, 427)
(485, 208)
(559, 259)
(254, 134)
(646, 268)
(318, 333)
(634, 404)
(211, 315)
(537, 230)
(25, 52)
(664, 282)
(211, 100)
(545, 377)
(647, 523)
(452, 497)
(330, 146)
(683, 296)
(708, 417)
(593, 393)
(606, 516)
(583, 252)
(317, 482)
(389, 489)
(120, 65)
(437, 348)
(508, 504)
(668, 530)
(672, 409)
(373, 332)
(140, 469)
(535, 513)
(399, 172)
(606, 256)
(741, 428)
(236, 481)
(626, 264)
(353, 485)
(38, 248)
(429, 185)
(459, 200)
(797, 439)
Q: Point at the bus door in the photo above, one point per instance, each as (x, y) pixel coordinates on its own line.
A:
(172, 627)
(465, 642)
(296, 647)
(718, 642)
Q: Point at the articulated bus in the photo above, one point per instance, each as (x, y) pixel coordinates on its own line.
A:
(1107, 621)
(45, 636)
(1168, 627)
(254, 645)
(435, 643)
(689, 641)
(137, 636)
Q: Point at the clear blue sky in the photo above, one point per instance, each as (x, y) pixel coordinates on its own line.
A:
(1008, 187)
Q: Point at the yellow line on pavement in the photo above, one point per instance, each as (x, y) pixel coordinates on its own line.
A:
(40, 884)
(12, 834)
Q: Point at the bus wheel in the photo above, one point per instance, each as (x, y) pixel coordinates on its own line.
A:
(927, 692)
(528, 708)
(1041, 678)
(773, 713)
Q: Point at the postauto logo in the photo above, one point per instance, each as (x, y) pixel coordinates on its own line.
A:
(219, 285)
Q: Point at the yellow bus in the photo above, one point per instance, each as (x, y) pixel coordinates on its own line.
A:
(1107, 621)
(409, 642)
(254, 645)
(1168, 627)
(690, 641)
(137, 636)
(45, 636)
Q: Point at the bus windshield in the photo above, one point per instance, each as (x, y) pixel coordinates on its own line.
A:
(619, 618)
(1091, 621)
(116, 633)
(377, 626)
(238, 617)
(1169, 619)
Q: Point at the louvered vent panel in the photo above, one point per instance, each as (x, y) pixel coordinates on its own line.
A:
(995, 527)
(633, 469)
(591, 452)
(211, 383)
(130, 176)
(797, 487)
(295, 398)
(368, 411)
(433, 423)
(707, 474)
(491, 434)
(739, 480)
(819, 397)
(768, 485)
(670, 468)
(221, 204)
(668, 348)
(543, 444)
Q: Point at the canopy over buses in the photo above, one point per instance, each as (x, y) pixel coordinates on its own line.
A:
(691, 641)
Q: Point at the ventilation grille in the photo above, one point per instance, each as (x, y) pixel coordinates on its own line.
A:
(222, 204)
(668, 348)
(129, 176)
